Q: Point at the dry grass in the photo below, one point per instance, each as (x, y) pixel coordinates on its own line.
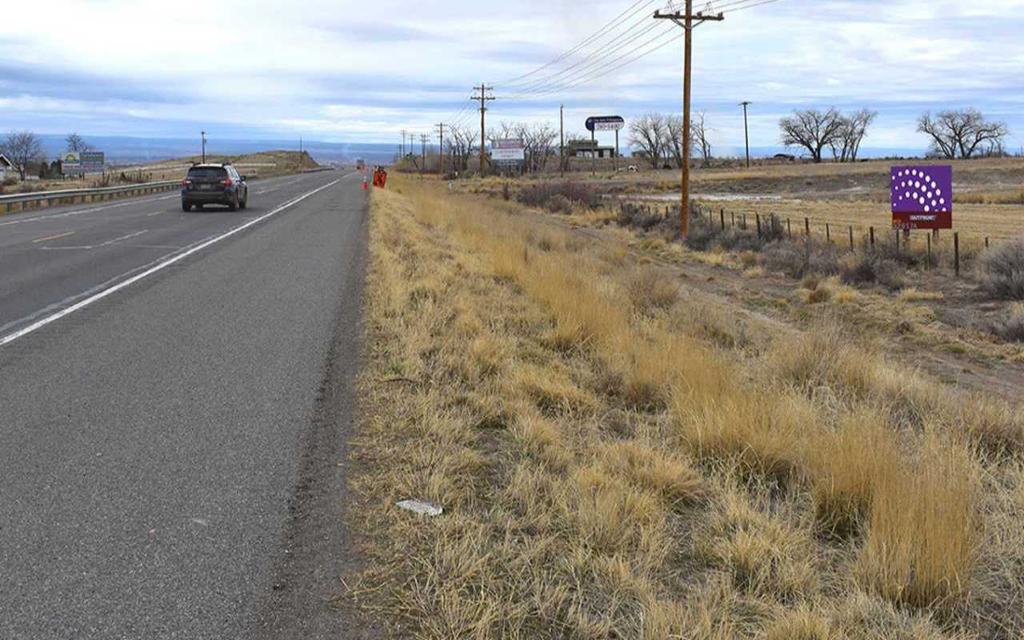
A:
(617, 464)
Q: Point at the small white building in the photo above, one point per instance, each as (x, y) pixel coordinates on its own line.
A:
(7, 168)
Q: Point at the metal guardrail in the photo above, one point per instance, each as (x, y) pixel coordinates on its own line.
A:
(40, 199)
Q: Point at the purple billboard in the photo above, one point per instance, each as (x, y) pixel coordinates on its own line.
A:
(922, 197)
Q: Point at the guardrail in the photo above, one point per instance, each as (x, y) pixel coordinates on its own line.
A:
(40, 199)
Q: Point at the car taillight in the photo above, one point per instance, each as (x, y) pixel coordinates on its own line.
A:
(186, 182)
(227, 182)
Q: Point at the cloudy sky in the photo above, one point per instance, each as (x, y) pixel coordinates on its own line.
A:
(339, 70)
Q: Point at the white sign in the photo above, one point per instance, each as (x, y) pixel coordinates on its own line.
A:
(512, 150)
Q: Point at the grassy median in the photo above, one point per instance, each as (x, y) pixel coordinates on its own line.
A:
(619, 460)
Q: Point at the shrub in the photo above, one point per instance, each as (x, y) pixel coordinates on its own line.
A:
(559, 204)
(1011, 327)
(645, 218)
(870, 267)
(541, 195)
(799, 259)
(1002, 270)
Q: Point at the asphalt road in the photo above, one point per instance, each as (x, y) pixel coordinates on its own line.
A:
(173, 411)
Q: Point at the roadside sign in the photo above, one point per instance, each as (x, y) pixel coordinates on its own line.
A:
(605, 123)
(922, 197)
(93, 161)
(71, 163)
(508, 150)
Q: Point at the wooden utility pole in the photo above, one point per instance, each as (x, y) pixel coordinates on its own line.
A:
(561, 144)
(203, 135)
(484, 99)
(746, 129)
(440, 148)
(687, 21)
(423, 148)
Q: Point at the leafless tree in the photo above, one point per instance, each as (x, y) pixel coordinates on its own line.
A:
(462, 144)
(959, 133)
(852, 129)
(649, 134)
(77, 143)
(699, 136)
(539, 140)
(811, 129)
(673, 139)
(22, 148)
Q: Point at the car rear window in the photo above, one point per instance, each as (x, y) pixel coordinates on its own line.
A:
(207, 172)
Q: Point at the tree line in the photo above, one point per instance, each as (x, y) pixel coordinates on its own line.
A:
(25, 151)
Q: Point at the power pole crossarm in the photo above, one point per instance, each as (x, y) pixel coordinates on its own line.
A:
(687, 20)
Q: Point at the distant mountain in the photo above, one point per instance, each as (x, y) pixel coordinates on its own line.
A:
(128, 150)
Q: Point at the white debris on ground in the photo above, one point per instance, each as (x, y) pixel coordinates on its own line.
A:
(424, 508)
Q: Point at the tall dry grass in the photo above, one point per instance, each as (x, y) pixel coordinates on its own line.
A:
(614, 468)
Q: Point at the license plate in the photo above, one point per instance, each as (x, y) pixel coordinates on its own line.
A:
(206, 187)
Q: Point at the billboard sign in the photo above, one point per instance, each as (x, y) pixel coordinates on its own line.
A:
(71, 162)
(93, 161)
(922, 197)
(605, 123)
(509, 150)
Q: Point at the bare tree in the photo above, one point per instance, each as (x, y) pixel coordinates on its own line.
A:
(852, 129)
(699, 136)
(539, 142)
(959, 133)
(673, 144)
(22, 148)
(77, 143)
(649, 134)
(811, 129)
(461, 146)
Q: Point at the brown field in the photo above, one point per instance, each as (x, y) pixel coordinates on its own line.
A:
(989, 193)
(635, 440)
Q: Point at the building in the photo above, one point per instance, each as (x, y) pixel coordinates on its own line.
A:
(7, 168)
(588, 149)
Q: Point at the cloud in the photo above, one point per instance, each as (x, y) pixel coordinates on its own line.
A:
(347, 70)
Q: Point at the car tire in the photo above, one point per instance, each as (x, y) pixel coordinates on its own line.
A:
(233, 204)
(186, 207)
(244, 202)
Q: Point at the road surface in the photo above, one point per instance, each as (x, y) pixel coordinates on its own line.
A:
(174, 402)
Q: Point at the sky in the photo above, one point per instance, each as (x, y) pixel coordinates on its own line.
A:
(346, 71)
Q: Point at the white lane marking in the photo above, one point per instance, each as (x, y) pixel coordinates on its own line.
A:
(78, 212)
(124, 284)
(53, 237)
(87, 247)
(155, 213)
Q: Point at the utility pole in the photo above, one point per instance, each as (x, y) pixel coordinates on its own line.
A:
(300, 144)
(746, 129)
(423, 148)
(203, 135)
(440, 148)
(561, 144)
(484, 99)
(687, 21)
(404, 133)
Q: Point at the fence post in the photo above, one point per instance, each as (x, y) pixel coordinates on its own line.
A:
(871, 232)
(758, 224)
(928, 263)
(789, 227)
(956, 253)
(807, 227)
(897, 242)
(721, 214)
(828, 233)
(986, 243)
(851, 238)
(732, 216)
(743, 221)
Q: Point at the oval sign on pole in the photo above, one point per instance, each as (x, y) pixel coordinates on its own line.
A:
(605, 123)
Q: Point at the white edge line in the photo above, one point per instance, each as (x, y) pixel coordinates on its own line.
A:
(39, 324)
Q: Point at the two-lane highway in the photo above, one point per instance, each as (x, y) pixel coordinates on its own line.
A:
(174, 399)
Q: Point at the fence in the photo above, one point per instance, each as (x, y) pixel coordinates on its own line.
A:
(769, 226)
(41, 199)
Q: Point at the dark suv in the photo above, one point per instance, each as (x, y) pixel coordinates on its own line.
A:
(214, 184)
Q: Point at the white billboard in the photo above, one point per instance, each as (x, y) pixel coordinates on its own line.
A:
(510, 150)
